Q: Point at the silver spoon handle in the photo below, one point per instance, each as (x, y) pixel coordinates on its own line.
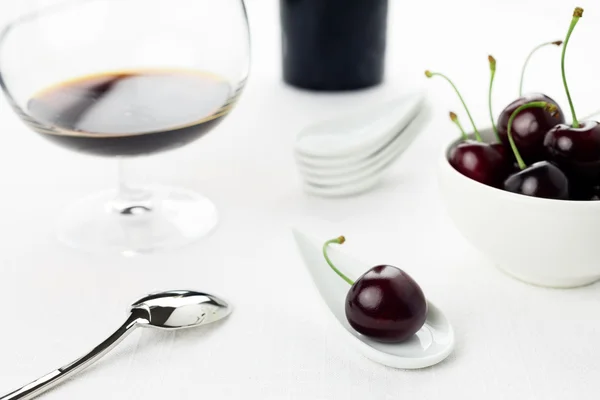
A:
(58, 376)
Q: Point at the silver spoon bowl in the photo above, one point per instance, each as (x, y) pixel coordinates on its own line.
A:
(172, 310)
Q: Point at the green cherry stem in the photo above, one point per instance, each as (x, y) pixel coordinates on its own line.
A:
(578, 13)
(492, 61)
(454, 118)
(430, 74)
(551, 108)
(555, 43)
(339, 240)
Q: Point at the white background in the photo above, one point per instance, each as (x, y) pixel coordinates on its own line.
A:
(513, 341)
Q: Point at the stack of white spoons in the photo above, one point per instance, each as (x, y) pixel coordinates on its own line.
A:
(349, 154)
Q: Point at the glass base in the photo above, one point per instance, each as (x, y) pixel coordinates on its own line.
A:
(164, 218)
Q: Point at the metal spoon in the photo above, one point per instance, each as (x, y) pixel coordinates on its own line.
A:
(171, 310)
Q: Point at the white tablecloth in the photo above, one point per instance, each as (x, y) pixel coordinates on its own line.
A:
(514, 341)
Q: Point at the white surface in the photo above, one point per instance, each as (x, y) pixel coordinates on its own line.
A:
(540, 241)
(432, 344)
(514, 341)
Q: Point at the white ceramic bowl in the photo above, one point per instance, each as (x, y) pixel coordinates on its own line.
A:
(552, 243)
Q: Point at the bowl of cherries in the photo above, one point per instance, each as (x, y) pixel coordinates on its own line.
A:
(525, 192)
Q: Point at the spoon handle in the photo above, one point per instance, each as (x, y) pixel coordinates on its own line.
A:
(56, 377)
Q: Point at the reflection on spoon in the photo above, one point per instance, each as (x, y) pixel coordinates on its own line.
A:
(171, 310)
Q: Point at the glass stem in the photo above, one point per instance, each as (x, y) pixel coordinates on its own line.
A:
(131, 198)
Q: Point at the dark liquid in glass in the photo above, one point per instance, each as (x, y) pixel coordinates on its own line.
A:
(334, 44)
(131, 113)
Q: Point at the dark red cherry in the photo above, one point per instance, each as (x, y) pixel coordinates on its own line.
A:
(583, 191)
(507, 155)
(594, 193)
(500, 148)
(529, 127)
(576, 150)
(386, 304)
(542, 179)
(480, 162)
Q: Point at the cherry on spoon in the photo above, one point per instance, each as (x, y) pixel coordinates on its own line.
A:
(384, 304)
(431, 345)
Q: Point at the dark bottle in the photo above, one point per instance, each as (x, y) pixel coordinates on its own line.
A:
(334, 44)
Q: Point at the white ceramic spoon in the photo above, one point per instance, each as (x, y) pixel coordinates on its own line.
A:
(360, 133)
(374, 167)
(348, 189)
(400, 140)
(431, 345)
(349, 186)
(342, 164)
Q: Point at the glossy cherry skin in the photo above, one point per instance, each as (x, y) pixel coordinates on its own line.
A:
(500, 148)
(576, 151)
(529, 127)
(386, 304)
(594, 193)
(542, 179)
(509, 158)
(582, 191)
(480, 162)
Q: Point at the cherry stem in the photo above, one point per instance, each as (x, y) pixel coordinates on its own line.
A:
(555, 43)
(492, 61)
(339, 240)
(454, 119)
(551, 108)
(578, 13)
(430, 74)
